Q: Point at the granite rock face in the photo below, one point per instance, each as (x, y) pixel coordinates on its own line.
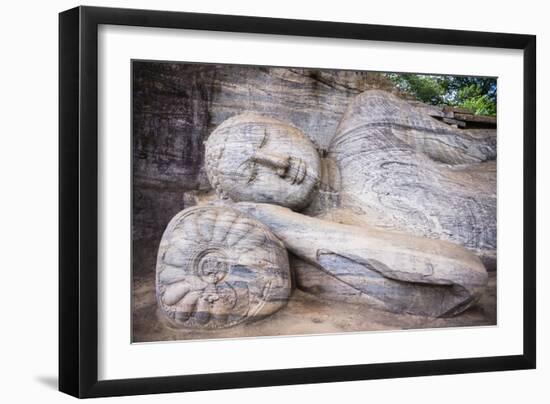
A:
(217, 268)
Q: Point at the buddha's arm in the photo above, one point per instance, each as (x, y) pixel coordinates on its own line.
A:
(397, 271)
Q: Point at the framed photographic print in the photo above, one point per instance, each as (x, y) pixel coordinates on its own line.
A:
(251, 201)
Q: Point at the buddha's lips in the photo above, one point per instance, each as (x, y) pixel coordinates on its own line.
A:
(297, 171)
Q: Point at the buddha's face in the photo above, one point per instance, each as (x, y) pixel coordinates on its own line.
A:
(259, 159)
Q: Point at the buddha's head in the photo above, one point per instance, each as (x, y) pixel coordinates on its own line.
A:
(255, 158)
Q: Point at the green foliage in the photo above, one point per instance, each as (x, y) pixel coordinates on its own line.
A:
(478, 94)
(472, 98)
(429, 89)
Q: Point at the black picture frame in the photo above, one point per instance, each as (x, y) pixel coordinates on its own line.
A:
(78, 201)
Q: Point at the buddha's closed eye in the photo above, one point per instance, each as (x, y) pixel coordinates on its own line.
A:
(291, 168)
(278, 162)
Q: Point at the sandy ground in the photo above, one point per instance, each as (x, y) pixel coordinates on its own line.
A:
(304, 314)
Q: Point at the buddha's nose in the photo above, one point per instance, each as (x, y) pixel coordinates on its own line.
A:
(278, 162)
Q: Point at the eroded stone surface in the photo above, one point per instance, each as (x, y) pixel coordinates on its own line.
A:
(217, 268)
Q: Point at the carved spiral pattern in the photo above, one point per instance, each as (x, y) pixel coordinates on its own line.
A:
(217, 267)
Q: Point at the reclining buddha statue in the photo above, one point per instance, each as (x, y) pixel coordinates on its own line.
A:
(399, 213)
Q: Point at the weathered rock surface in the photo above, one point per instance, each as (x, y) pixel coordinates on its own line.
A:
(395, 271)
(217, 268)
(403, 170)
